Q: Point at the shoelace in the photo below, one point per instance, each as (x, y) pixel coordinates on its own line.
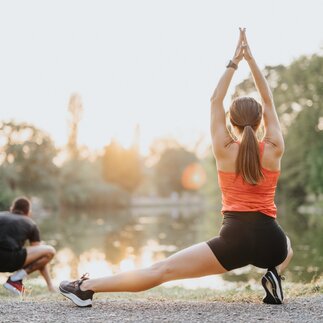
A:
(85, 276)
(280, 276)
(78, 282)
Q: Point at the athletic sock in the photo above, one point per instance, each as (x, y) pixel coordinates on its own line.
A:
(18, 275)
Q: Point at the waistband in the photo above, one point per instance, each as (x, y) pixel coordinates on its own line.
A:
(248, 216)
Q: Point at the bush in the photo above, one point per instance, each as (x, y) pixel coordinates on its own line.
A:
(82, 187)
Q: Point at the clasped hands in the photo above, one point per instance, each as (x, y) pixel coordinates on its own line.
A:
(242, 50)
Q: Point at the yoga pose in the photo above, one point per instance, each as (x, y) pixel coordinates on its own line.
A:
(248, 172)
(16, 227)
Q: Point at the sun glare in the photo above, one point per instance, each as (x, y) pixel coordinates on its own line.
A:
(94, 262)
(127, 264)
(63, 268)
(193, 177)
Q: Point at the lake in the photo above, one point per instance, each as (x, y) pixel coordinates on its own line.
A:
(103, 243)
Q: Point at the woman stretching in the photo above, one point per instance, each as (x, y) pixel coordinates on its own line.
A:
(248, 172)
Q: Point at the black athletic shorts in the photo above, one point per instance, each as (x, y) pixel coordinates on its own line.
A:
(249, 238)
(11, 261)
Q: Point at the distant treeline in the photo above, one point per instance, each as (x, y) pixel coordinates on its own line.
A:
(31, 165)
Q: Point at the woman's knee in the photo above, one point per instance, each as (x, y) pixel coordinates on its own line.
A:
(163, 270)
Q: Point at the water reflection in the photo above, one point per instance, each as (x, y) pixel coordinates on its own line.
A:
(305, 232)
(110, 242)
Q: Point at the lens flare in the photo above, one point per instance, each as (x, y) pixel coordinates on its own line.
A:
(193, 177)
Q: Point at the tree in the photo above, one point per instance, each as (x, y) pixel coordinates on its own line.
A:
(121, 166)
(170, 168)
(82, 186)
(27, 159)
(6, 194)
(75, 109)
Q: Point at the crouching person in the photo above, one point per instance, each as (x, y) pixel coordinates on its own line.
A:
(16, 227)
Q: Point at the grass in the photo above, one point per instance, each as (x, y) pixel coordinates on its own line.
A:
(242, 294)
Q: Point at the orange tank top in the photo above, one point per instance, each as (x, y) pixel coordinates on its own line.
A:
(244, 197)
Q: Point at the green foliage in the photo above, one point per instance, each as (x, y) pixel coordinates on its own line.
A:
(83, 187)
(122, 166)
(298, 96)
(6, 194)
(169, 169)
(27, 160)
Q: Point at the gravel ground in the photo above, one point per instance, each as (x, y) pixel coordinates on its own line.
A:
(305, 309)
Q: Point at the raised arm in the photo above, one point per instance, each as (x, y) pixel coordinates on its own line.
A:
(273, 133)
(220, 135)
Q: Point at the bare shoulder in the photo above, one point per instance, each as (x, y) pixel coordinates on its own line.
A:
(275, 145)
(226, 149)
(226, 158)
(271, 156)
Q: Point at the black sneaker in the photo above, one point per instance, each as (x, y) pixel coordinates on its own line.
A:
(72, 291)
(274, 295)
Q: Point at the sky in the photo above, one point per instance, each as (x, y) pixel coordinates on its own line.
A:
(152, 63)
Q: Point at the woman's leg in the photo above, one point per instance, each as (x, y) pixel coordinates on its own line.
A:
(280, 268)
(195, 261)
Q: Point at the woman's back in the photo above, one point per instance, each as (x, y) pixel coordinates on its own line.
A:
(226, 162)
(237, 195)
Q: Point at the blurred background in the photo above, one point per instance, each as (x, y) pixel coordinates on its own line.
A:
(104, 124)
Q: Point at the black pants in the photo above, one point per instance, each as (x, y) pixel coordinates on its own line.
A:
(249, 238)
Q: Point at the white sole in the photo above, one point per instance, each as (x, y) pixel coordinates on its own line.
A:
(12, 289)
(77, 301)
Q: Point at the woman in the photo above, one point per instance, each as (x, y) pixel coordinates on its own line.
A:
(248, 171)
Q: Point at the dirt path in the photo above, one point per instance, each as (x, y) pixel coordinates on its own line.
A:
(306, 309)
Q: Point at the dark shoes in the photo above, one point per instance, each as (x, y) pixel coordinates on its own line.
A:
(274, 294)
(15, 287)
(72, 291)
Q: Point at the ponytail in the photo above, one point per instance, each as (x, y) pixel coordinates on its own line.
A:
(248, 163)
